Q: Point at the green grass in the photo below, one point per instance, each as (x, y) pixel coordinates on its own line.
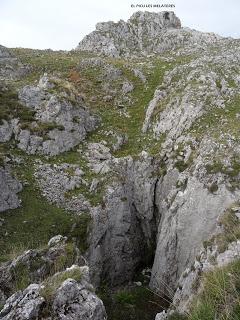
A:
(11, 108)
(220, 297)
(52, 284)
(230, 232)
(137, 303)
(37, 220)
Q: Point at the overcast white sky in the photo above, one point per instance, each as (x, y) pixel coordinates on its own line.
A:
(61, 24)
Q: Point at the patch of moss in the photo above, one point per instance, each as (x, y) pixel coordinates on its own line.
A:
(230, 232)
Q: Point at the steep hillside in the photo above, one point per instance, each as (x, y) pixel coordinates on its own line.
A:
(127, 146)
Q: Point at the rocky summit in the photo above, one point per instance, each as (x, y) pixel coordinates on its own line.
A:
(120, 175)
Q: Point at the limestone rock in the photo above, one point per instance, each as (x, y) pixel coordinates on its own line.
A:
(10, 67)
(23, 305)
(35, 265)
(195, 210)
(145, 33)
(64, 113)
(124, 228)
(79, 299)
(9, 187)
(7, 129)
(72, 299)
(133, 36)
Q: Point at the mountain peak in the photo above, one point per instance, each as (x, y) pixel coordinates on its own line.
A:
(143, 33)
(164, 19)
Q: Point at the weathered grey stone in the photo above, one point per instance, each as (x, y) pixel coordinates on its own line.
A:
(79, 299)
(133, 36)
(193, 211)
(55, 181)
(23, 305)
(36, 265)
(6, 131)
(66, 113)
(9, 187)
(72, 300)
(10, 67)
(123, 229)
(143, 34)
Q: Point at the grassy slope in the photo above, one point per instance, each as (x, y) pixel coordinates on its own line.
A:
(220, 297)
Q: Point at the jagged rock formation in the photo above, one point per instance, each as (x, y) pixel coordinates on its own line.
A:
(143, 34)
(47, 289)
(35, 265)
(66, 112)
(70, 299)
(218, 252)
(9, 187)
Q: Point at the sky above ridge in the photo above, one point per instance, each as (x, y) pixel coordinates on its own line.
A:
(61, 24)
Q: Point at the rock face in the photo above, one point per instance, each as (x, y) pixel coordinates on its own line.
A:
(124, 231)
(79, 299)
(143, 34)
(9, 187)
(196, 211)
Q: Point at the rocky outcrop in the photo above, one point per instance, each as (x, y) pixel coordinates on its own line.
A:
(9, 188)
(61, 116)
(67, 295)
(145, 33)
(35, 265)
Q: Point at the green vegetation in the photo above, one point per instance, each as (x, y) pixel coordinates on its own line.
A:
(219, 298)
(51, 284)
(137, 303)
(231, 230)
(177, 316)
(21, 276)
(10, 106)
(230, 225)
(36, 221)
(48, 61)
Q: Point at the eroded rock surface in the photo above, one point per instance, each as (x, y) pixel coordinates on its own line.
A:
(70, 299)
(143, 34)
(62, 114)
(9, 188)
